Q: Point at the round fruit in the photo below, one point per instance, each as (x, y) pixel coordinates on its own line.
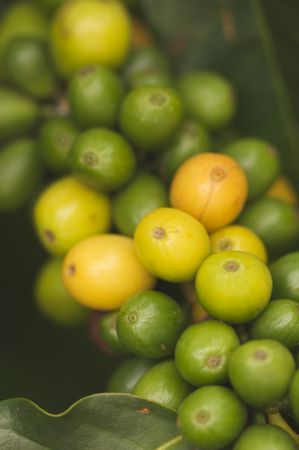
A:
(163, 384)
(207, 97)
(67, 211)
(95, 93)
(149, 115)
(294, 395)
(90, 32)
(108, 333)
(144, 60)
(18, 114)
(264, 437)
(52, 298)
(126, 374)
(203, 350)
(56, 137)
(233, 286)
(20, 173)
(171, 244)
(103, 159)
(237, 237)
(260, 372)
(103, 271)
(190, 139)
(28, 67)
(141, 195)
(285, 276)
(259, 160)
(211, 187)
(97, 340)
(21, 19)
(279, 321)
(212, 417)
(282, 189)
(274, 221)
(149, 324)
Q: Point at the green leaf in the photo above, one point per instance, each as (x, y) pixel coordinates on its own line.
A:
(96, 422)
(255, 45)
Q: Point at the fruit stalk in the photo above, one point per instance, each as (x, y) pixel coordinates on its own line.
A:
(275, 418)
